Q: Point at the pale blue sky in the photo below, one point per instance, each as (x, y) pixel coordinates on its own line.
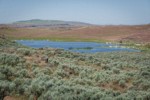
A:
(103, 12)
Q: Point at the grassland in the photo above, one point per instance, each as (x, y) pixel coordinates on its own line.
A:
(137, 33)
(55, 74)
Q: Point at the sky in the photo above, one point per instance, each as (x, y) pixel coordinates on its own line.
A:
(102, 12)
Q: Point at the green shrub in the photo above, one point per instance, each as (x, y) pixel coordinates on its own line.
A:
(6, 88)
(18, 81)
(116, 71)
(122, 83)
(53, 63)
(145, 73)
(31, 97)
(2, 76)
(7, 71)
(9, 59)
(25, 51)
(22, 73)
(37, 87)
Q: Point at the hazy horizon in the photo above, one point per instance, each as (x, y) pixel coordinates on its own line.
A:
(101, 12)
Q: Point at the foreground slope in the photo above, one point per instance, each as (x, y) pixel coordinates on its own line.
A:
(55, 74)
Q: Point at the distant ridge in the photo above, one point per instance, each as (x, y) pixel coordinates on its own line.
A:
(49, 23)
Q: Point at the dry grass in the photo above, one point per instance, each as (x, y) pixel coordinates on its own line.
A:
(139, 33)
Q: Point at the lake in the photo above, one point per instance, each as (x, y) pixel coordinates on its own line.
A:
(82, 47)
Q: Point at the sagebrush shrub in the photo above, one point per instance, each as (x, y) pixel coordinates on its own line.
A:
(25, 51)
(9, 59)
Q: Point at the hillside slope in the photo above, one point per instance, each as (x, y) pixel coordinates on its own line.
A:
(138, 33)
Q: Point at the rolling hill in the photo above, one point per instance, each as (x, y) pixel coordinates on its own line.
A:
(48, 23)
(75, 31)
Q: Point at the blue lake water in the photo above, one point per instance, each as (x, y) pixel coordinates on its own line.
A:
(82, 47)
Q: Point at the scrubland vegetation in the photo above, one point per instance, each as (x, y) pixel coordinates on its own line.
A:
(55, 74)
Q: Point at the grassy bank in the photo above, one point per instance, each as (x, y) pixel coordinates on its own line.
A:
(63, 39)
